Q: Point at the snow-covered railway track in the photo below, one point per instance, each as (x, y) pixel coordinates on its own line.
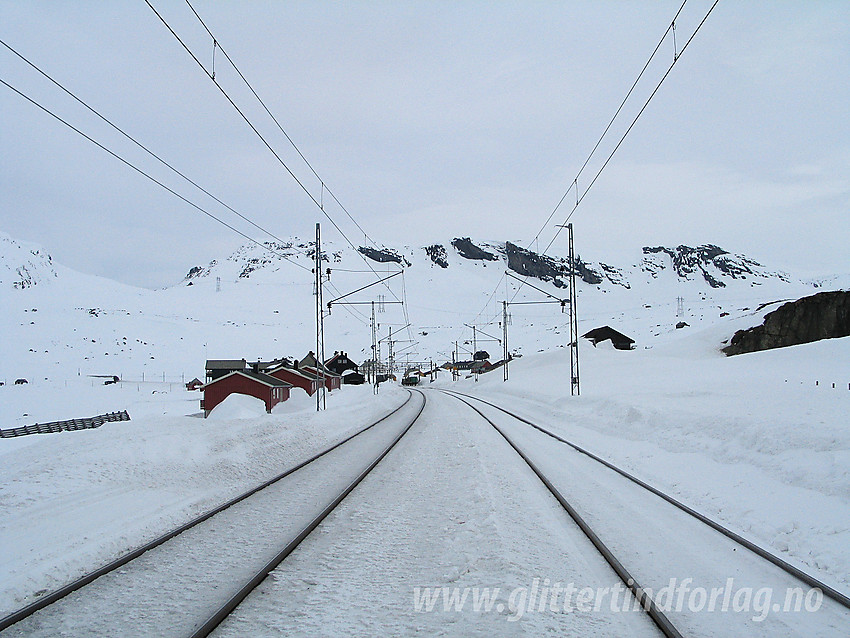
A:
(187, 580)
(648, 604)
(662, 538)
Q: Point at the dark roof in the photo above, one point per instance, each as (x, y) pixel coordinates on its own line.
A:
(267, 365)
(225, 364)
(265, 378)
(256, 376)
(325, 371)
(301, 372)
(607, 332)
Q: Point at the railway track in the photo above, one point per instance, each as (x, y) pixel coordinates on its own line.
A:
(188, 580)
(649, 546)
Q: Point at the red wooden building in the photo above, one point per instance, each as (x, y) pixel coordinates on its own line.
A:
(268, 389)
(297, 377)
(332, 381)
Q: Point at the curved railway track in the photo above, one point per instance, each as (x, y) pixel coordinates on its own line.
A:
(661, 621)
(43, 617)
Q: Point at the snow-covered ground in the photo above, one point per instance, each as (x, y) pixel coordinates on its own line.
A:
(75, 500)
(760, 442)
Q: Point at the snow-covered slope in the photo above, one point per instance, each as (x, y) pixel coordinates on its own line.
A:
(23, 265)
(258, 303)
(758, 441)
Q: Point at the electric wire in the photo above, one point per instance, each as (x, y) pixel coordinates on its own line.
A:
(267, 144)
(145, 174)
(147, 150)
(324, 184)
(628, 130)
(574, 184)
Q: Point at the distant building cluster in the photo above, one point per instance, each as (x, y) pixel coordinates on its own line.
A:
(273, 381)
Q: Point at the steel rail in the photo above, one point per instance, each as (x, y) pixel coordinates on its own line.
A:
(225, 610)
(81, 582)
(806, 578)
(661, 621)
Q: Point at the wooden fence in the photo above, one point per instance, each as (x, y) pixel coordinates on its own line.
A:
(67, 426)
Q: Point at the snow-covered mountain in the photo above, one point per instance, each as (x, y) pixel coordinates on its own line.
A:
(674, 410)
(23, 265)
(258, 303)
(707, 264)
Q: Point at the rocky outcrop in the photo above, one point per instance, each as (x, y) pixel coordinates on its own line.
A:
(468, 250)
(825, 315)
(24, 265)
(707, 261)
(384, 255)
(195, 271)
(437, 253)
(531, 264)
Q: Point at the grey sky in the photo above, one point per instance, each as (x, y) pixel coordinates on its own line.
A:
(431, 120)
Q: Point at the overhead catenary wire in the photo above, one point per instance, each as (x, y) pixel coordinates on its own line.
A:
(325, 187)
(360, 318)
(574, 183)
(628, 130)
(266, 143)
(356, 315)
(148, 151)
(147, 175)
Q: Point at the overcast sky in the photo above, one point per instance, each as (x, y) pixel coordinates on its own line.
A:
(430, 120)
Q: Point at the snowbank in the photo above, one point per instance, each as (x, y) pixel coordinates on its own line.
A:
(238, 406)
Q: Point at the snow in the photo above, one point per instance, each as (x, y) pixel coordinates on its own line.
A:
(449, 507)
(299, 401)
(751, 440)
(98, 493)
(758, 442)
(238, 406)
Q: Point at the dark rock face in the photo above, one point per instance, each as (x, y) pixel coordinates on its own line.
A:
(383, 256)
(531, 264)
(688, 261)
(587, 274)
(194, 271)
(468, 250)
(437, 253)
(825, 315)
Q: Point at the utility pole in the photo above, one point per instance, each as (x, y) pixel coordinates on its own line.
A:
(392, 342)
(575, 388)
(374, 352)
(505, 353)
(680, 306)
(454, 361)
(390, 346)
(321, 399)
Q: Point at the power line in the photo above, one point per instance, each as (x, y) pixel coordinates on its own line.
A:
(217, 44)
(574, 183)
(266, 143)
(148, 151)
(352, 312)
(150, 177)
(628, 130)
